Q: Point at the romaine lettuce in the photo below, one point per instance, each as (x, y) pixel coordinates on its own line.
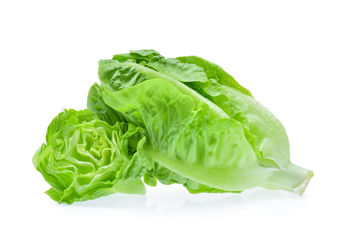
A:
(182, 120)
(225, 98)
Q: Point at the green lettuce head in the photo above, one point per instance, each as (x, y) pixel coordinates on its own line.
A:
(199, 122)
(86, 158)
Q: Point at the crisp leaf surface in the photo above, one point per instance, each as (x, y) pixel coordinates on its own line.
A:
(86, 158)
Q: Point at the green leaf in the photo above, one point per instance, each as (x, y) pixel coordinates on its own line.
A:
(116, 76)
(183, 72)
(215, 72)
(109, 69)
(96, 104)
(136, 56)
(168, 177)
(180, 71)
(187, 136)
(263, 130)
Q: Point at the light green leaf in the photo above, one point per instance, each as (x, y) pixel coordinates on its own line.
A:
(96, 104)
(116, 76)
(136, 56)
(263, 130)
(188, 137)
(180, 71)
(183, 72)
(215, 72)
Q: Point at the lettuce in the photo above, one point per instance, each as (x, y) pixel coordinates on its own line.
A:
(86, 158)
(267, 153)
(170, 120)
(187, 136)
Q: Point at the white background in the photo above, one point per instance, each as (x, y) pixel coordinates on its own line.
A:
(293, 55)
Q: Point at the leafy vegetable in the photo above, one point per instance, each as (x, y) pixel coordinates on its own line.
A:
(86, 158)
(270, 139)
(107, 74)
(173, 120)
(97, 105)
(188, 137)
(262, 130)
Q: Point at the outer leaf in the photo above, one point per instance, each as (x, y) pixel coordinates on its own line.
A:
(263, 130)
(180, 71)
(214, 71)
(167, 177)
(136, 56)
(110, 69)
(96, 104)
(188, 137)
(116, 76)
(183, 72)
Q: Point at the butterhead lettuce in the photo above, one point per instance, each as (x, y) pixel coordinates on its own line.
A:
(86, 158)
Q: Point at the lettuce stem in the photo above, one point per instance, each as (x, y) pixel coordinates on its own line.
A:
(292, 179)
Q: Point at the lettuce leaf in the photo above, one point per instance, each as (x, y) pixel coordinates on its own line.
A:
(100, 108)
(270, 139)
(187, 136)
(109, 69)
